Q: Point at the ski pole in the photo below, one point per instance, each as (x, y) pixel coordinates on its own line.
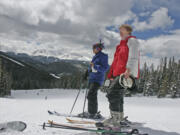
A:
(85, 101)
(76, 99)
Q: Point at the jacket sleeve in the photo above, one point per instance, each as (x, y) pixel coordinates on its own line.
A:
(110, 74)
(123, 58)
(103, 66)
(133, 59)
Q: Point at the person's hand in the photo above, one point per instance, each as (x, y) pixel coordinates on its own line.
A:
(127, 73)
(92, 64)
(111, 79)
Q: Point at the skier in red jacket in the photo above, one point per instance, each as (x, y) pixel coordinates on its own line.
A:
(126, 62)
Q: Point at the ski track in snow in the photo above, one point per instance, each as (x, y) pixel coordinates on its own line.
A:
(156, 116)
(13, 60)
(55, 76)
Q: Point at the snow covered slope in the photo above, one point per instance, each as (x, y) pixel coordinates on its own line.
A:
(157, 116)
(14, 61)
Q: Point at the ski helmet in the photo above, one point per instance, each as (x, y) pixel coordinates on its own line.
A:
(127, 83)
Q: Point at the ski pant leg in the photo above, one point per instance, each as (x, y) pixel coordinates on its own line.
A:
(92, 98)
(116, 96)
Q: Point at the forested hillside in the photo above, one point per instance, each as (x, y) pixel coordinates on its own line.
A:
(163, 81)
(35, 72)
(30, 73)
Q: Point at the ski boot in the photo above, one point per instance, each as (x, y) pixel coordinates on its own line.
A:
(125, 121)
(91, 116)
(116, 121)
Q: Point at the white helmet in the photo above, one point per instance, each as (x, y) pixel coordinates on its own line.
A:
(126, 82)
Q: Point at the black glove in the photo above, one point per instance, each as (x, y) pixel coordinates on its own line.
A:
(86, 74)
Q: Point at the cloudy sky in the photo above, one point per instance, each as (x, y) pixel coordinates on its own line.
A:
(68, 28)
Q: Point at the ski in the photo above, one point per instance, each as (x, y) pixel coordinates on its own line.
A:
(53, 124)
(94, 122)
(80, 121)
(60, 114)
(66, 115)
(67, 126)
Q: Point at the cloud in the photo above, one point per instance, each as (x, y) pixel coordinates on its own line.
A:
(151, 5)
(74, 20)
(143, 14)
(160, 47)
(158, 19)
(65, 26)
(67, 29)
(32, 12)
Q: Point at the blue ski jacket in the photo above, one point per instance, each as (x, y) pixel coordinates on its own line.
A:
(100, 61)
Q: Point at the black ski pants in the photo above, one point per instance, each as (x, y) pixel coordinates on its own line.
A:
(115, 96)
(92, 97)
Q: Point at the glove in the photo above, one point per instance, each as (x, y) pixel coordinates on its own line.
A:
(106, 85)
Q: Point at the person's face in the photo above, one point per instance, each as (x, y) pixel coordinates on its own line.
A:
(123, 32)
(95, 51)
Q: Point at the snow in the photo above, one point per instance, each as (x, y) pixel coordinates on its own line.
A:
(13, 60)
(55, 76)
(156, 116)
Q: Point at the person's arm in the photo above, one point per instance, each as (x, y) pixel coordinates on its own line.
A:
(123, 58)
(110, 74)
(103, 66)
(132, 64)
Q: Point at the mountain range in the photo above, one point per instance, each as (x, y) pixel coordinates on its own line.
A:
(31, 72)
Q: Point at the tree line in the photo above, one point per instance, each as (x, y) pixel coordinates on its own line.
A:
(161, 81)
(5, 80)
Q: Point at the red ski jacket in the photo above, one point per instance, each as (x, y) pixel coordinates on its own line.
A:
(120, 59)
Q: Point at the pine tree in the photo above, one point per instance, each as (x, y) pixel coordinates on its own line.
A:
(5, 80)
(150, 82)
(175, 81)
(143, 78)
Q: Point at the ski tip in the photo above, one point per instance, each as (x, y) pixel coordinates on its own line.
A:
(50, 112)
(50, 121)
(68, 119)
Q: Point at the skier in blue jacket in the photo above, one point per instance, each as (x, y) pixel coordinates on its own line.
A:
(99, 65)
(97, 70)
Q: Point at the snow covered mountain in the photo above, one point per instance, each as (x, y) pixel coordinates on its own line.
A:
(60, 55)
(33, 72)
(51, 64)
(23, 74)
(12, 60)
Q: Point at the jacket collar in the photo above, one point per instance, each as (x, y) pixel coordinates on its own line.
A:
(125, 37)
(96, 55)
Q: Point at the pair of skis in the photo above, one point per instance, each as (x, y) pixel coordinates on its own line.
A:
(82, 121)
(53, 124)
(54, 113)
(79, 125)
